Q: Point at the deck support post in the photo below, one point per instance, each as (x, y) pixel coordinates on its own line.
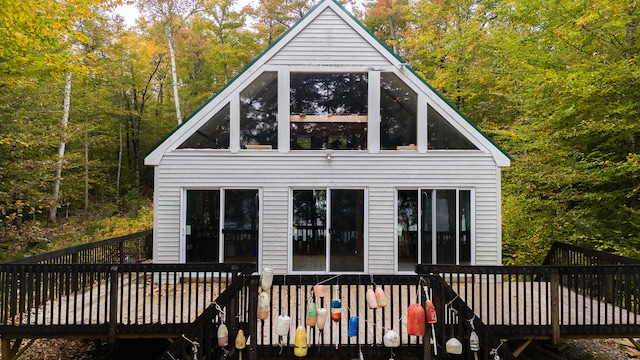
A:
(113, 304)
(555, 308)
(9, 351)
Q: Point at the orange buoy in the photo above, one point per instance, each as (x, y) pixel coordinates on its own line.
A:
(415, 320)
(381, 297)
(432, 317)
(370, 296)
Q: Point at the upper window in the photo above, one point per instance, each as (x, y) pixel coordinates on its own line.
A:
(214, 134)
(258, 110)
(398, 109)
(328, 111)
(443, 136)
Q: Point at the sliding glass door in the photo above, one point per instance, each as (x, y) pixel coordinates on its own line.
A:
(222, 225)
(328, 230)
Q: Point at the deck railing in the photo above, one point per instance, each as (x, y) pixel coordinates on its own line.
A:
(456, 319)
(567, 254)
(108, 301)
(573, 301)
(200, 338)
(131, 248)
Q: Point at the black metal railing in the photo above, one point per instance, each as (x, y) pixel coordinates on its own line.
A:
(131, 248)
(549, 300)
(108, 300)
(569, 255)
(200, 338)
(456, 320)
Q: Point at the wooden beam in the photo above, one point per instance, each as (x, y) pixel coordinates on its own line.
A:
(522, 347)
(329, 118)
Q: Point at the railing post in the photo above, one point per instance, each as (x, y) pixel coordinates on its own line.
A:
(253, 314)
(113, 304)
(426, 339)
(121, 251)
(555, 308)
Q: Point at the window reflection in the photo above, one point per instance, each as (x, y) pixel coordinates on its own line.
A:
(214, 134)
(398, 113)
(329, 111)
(443, 136)
(258, 110)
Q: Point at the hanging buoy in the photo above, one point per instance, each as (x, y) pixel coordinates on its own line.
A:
(318, 290)
(381, 297)
(312, 314)
(415, 320)
(282, 325)
(223, 335)
(241, 340)
(474, 344)
(336, 310)
(353, 326)
(322, 318)
(370, 296)
(391, 339)
(300, 342)
(453, 346)
(267, 278)
(432, 317)
(263, 306)
(241, 343)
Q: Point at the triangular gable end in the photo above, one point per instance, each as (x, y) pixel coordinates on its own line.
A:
(328, 35)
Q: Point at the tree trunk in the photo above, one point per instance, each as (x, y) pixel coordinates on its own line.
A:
(174, 77)
(55, 188)
(86, 171)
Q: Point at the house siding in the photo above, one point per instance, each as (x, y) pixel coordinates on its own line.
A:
(276, 173)
(328, 41)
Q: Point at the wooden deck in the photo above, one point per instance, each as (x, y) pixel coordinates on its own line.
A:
(570, 297)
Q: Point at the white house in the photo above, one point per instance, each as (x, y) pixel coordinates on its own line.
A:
(328, 154)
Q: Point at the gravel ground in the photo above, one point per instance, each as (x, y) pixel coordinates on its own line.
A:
(59, 349)
(589, 349)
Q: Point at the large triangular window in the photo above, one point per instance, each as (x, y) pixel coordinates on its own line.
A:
(214, 134)
(443, 136)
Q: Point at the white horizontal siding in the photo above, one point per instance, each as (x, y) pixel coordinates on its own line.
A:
(275, 229)
(328, 40)
(275, 173)
(381, 230)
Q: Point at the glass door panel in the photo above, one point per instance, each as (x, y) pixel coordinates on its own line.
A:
(347, 230)
(407, 229)
(241, 223)
(309, 226)
(203, 226)
(427, 227)
(446, 226)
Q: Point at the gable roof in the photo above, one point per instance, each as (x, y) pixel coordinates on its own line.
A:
(330, 36)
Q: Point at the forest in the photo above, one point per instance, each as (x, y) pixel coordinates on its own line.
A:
(85, 95)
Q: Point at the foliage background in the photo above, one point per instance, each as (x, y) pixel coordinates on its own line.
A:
(555, 83)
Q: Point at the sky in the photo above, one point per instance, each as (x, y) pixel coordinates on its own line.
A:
(131, 13)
